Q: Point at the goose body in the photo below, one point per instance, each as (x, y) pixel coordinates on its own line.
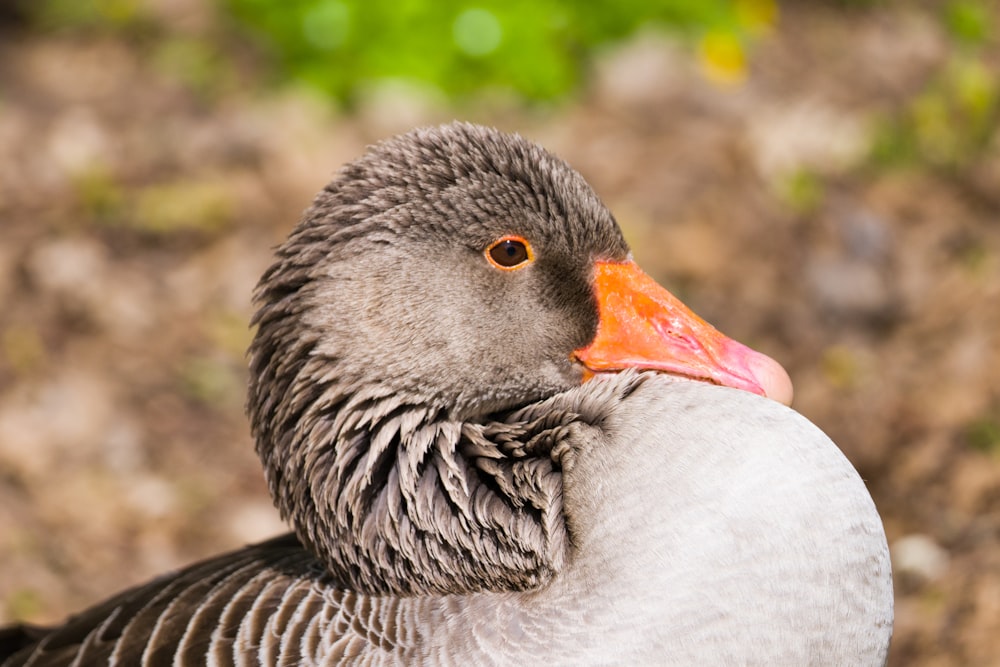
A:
(469, 403)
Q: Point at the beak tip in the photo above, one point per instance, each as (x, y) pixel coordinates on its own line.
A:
(773, 379)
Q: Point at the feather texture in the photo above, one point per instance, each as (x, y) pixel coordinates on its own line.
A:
(460, 496)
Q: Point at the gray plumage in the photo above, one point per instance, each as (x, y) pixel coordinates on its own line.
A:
(460, 498)
(363, 447)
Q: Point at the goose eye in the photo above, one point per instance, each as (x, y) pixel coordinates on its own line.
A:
(510, 252)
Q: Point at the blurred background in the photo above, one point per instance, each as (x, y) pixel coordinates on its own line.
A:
(821, 180)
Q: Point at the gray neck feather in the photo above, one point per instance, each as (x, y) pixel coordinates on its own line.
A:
(380, 455)
(395, 497)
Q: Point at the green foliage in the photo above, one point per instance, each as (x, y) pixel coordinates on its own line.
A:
(841, 367)
(802, 191)
(210, 381)
(195, 205)
(953, 121)
(99, 195)
(24, 603)
(86, 14)
(199, 64)
(949, 124)
(984, 435)
(969, 21)
(538, 49)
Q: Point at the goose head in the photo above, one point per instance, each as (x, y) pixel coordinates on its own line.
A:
(437, 289)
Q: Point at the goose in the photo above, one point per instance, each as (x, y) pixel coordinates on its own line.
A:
(499, 442)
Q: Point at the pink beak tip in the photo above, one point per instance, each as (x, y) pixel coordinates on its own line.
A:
(772, 378)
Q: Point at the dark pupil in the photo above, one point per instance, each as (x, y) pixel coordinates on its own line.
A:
(509, 253)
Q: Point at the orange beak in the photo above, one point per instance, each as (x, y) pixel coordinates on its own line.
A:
(644, 326)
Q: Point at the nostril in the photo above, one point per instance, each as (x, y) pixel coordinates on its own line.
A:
(665, 330)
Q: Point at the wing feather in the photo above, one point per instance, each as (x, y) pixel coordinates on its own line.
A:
(267, 604)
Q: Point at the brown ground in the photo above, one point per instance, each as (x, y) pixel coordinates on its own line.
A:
(137, 209)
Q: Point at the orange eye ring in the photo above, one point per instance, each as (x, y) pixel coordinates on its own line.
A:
(509, 253)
